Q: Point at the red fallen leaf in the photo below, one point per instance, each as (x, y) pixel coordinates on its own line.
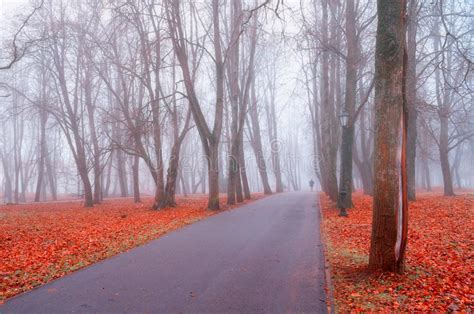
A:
(47, 241)
(440, 257)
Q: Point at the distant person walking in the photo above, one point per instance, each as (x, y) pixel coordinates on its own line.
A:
(311, 184)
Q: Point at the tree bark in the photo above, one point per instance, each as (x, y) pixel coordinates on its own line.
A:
(345, 184)
(50, 172)
(444, 155)
(210, 139)
(411, 83)
(243, 175)
(42, 156)
(257, 143)
(173, 167)
(122, 173)
(136, 179)
(329, 164)
(388, 224)
(273, 137)
(97, 169)
(213, 175)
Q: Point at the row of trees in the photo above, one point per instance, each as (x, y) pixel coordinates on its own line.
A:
(420, 67)
(128, 92)
(115, 89)
(337, 50)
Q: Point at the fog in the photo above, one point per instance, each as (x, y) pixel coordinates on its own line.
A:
(107, 99)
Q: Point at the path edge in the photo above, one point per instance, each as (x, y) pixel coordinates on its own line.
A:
(330, 303)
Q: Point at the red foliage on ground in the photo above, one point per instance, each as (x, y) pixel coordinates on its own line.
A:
(41, 242)
(440, 257)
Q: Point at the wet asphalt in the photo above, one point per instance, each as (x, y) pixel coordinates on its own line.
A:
(264, 257)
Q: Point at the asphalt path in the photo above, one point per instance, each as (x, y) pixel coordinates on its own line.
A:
(264, 257)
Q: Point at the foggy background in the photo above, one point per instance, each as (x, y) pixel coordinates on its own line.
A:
(288, 75)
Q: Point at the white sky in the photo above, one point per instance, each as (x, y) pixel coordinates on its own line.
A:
(8, 7)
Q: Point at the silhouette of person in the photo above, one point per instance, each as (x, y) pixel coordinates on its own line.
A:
(311, 184)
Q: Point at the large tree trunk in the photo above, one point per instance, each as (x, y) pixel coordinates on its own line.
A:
(411, 98)
(345, 185)
(389, 222)
(234, 193)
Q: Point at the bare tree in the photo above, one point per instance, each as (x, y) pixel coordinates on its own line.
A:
(209, 138)
(389, 226)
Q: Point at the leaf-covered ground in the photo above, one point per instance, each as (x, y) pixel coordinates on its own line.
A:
(440, 257)
(41, 242)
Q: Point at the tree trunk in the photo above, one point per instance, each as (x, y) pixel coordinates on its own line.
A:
(122, 174)
(443, 99)
(172, 175)
(83, 174)
(444, 156)
(243, 175)
(328, 163)
(210, 139)
(411, 83)
(43, 151)
(51, 177)
(108, 176)
(274, 142)
(365, 171)
(7, 195)
(345, 184)
(257, 143)
(233, 169)
(136, 179)
(456, 166)
(389, 223)
(95, 142)
(213, 175)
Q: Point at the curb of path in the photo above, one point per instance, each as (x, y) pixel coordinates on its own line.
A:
(330, 303)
